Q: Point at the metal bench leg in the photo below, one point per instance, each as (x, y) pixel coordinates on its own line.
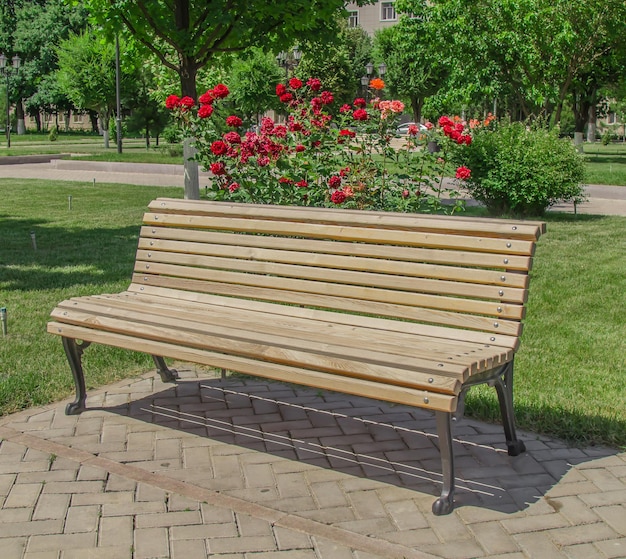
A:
(445, 503)
(504, 387)
(166, 374)
(74, 352)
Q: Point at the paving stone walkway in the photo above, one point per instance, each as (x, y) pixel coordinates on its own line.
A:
(244, 468)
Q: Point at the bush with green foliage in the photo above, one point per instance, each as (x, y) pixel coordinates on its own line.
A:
(522, 169)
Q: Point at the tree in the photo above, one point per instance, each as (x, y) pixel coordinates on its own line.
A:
(149, 116)
(87, 76)
(186, 35)
(39, 26)
(416, 72)
(252, 83)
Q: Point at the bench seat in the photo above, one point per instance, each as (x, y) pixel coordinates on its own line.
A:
(410, 309)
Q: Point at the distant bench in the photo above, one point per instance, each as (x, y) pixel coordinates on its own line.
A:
(411, 309)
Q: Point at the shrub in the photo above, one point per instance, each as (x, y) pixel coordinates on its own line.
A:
(53, 134)
(522, 169)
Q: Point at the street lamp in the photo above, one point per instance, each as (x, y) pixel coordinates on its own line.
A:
(382, 69)
(6, 70)
(289, 60)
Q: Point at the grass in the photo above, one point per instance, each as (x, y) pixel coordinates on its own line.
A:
(606, 164)
(569, 382)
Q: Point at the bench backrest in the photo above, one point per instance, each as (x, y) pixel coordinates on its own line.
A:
(458, 272)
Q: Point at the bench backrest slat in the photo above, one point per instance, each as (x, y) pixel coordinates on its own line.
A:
(459, 272)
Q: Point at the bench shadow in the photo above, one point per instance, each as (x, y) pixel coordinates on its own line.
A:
(357, 438)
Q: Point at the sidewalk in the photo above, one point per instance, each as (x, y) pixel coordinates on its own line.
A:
(251, 469)
(602, 200)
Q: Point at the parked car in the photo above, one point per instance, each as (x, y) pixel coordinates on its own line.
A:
(403, 129)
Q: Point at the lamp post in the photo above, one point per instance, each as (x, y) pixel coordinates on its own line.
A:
(6, 70)
(289, 60)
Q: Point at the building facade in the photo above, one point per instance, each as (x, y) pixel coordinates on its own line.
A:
(372, 16)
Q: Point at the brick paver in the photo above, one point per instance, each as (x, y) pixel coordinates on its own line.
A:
(250, 469)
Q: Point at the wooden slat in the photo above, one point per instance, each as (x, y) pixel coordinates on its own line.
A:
(152, 234)
(400, 282)
(186, 334)
(394, 220)
(373, 344)
(344, 233)
(149, 247)
(191, 300)
(343, 303)
(324, 381)
(367, 294)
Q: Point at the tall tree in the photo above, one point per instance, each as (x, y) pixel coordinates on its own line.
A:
(87, 76)
(39, 26)
(186, 35)
(417, 72)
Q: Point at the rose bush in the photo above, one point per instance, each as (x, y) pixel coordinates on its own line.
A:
(322, 155)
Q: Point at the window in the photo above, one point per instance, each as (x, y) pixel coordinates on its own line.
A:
(387, 11)
(353, 19)
(611, 118)
(77, 118)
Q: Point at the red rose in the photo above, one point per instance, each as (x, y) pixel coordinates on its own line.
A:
(172, 102)
(413, 130)
(314, 83)
(286, 97)
(232, 187)
(218, 168)
(300, 148)
(285, 180)
(280, 89)
(218, 147)
(186, 103)
(334, 181)
(206, 98)
(327, 97)
(345, 109)
(359, 102)
(220, 91)
(295, 83)
(263, 161)
(445, 121)
(360, 114)
(233, 121)
(205, 111)
(338, 197)
(463, 173)
(302, 184)
(232, 138)
(348, 133)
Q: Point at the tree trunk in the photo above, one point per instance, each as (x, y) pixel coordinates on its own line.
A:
(19, 113)
(104, 124)
(37, 117)
(591, 122)
(188, 71)
(416, 107)
(93, 118)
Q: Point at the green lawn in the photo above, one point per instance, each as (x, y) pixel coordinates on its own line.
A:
(606, 164)
(570, 369)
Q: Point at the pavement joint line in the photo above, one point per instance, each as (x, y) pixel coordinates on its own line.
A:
(368, 544)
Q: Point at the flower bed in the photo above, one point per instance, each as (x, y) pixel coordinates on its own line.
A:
(323, 155)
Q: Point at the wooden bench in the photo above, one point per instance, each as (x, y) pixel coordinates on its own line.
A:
(411, 309)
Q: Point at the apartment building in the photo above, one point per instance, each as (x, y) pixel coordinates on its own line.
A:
(372, 16)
